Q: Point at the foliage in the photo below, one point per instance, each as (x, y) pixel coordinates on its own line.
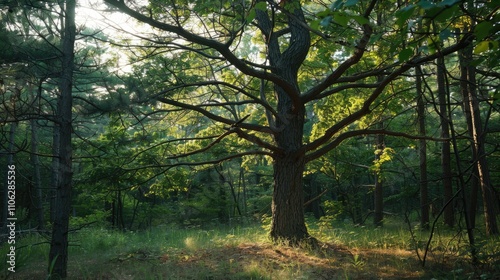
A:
(187, 134)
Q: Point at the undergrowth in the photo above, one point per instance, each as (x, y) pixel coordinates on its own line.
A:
(347, 251)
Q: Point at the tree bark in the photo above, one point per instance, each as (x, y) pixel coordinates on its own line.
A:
(474, 181)
(378, 211)
(481, 171)
(37, 179)
(58, 255)
(288, 224)
(5, 189)
(55, 173)
(422, 148)
(449, 218)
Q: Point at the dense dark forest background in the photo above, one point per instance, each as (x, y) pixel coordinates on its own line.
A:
(204, 113)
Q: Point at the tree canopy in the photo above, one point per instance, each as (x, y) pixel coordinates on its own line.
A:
(214, 109)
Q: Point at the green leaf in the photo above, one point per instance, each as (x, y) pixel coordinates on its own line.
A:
(361, 19)
(341, 19)
(446, 14)
(447, 3)
(423, 49)
(261, 6)
(349, 3)
(323, 13)
(405, 55)
(482, 30)
(424, 4)
(477, 62)
(432, 12)
(326, 21)
(445, 34)
(492, 4)
(404, 14)
(315, 24)
(482, 47)
(375, 38)
(496, 96)
(337, 5)
(251, 15)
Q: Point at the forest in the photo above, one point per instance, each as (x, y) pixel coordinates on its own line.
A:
(250, 139)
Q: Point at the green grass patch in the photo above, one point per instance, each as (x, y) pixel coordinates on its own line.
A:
(346, 252)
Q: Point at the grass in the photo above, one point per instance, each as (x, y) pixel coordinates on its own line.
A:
(347, 252)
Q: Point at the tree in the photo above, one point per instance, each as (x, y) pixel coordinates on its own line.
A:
(58, 255)
(378, 214)
(422, 148)
(445, 118)
(481, 171)
(302, 63)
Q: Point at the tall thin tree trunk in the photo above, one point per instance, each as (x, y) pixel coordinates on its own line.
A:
(244, 189)
(37, 179)
(475, 127)
(315, 190)
(58, 255)
(119, 209)
(422, 148)
(378, 215)
(449, 218)
(55, 173)
(10, 162)
(378, 195)
(464, 86)
(232, 188)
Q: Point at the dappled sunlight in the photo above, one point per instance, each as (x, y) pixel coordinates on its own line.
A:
(191, 243)
(238, 254)
(280, 262)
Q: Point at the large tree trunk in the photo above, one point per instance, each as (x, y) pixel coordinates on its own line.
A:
(475, 127)
(449, 218)
(58, 255)
(288, 223)
(288, 199)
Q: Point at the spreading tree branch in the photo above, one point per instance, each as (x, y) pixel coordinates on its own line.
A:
(366, 108)
(222, 48)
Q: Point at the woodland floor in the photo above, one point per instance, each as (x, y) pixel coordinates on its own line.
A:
(253, 261)
(245, 252)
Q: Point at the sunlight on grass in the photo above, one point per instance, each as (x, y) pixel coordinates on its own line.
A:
(347, 252)
(191, 243)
